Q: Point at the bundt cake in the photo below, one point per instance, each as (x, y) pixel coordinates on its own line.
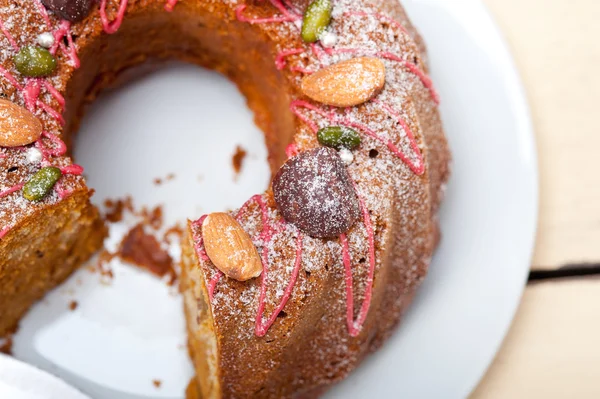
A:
(287, 294)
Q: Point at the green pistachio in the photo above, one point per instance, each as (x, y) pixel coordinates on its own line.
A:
(316, 19)
(339, 137)
(34, 61)
(41, 183)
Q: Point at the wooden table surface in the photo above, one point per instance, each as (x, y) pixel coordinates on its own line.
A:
(553, 347)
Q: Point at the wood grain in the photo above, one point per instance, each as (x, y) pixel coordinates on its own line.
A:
(556, 44)
(552, 349)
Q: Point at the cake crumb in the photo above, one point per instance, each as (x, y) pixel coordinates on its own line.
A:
(237, 160)
(106, 273)
(73, 305)
(153, 217)
(157, 383)
(174, 231)
(158, 180)
(116, 208)
(144, 250)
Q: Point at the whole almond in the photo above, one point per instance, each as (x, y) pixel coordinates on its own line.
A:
(230, 248)
(347, 83)
(18, 126)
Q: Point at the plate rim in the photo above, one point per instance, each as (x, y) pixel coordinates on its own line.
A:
(514, 85)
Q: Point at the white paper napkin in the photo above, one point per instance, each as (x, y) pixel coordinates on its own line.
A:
(22, 381)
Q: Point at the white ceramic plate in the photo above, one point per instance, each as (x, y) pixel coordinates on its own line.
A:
(187, 121)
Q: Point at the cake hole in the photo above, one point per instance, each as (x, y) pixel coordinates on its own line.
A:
(416, 60)
(191, 97)
(362, 260)
(39, 253)
(307, 273)
(282, 314)
(373, 153)
(13, 169)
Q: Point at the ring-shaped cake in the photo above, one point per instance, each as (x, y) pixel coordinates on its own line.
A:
(287, 294)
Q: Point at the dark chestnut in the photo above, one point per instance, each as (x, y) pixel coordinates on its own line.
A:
(314, 192)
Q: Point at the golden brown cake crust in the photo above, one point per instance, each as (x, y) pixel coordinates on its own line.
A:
(313, 341)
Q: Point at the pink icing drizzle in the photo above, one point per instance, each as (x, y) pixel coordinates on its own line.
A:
(61, 191)
(286, 16)
(292, 7)
(51, 111)
(261, 327)
(354, 326)
(3, 232)
(293, 16)
(266, 235)
(199, 248)
(291, 150)
(44, 13)
(417, 167)
(426, 80)
(170, 5)
(380, 16)
(112, 27)
(9, 37)
(63, 30)
(74, 169)
(31, 92)
(60, 146)
(199, 240)
(9, 76)
(280, 59)
(11, 190)
(54, 93)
